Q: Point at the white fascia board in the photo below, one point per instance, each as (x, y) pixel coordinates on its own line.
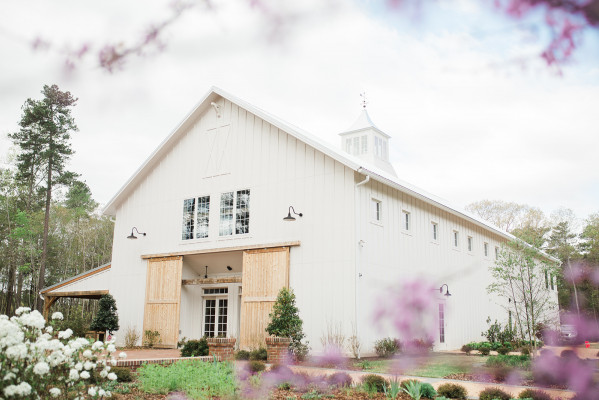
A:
(444, 205)
(374, 128)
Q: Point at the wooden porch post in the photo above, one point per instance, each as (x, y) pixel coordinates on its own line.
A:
(49, 300)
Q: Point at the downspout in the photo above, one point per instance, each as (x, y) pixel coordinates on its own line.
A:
(359, 244)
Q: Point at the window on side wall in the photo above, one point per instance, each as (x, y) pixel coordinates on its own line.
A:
(234, 213)
(377, 210)
(470, 240)
(456, 239)
(551, 280)
(406, 221)
(496, 253)
(435, 231)
(486, 249)
(364, 141)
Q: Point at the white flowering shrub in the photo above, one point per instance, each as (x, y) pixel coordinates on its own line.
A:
(37, 362)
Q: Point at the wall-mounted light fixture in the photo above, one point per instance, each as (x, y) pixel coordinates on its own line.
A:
(206, 274)
(289, 217)
(132, 236)
(229, 268)
(447, 294)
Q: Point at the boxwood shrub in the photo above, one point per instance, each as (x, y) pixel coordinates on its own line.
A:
(375, 382)
(452, 391)
(494, 394)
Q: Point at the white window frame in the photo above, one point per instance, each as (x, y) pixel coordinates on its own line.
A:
(406, 221)
(434, 232)
(216, 297)
(486, 249)
(195, 218)
(455, 240)
(496, 252)
(364, 144)
(376, 211)
(235, 202)
(470, 242)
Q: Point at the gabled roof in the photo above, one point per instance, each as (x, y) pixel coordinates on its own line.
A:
(348, 160)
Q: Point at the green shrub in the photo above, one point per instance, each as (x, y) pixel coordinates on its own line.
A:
(452, 391)
(534, 394)
(122, 374)
(404, 384)
(151, 338)
(413, 388)
(503, 350)
(242, 355)
(75, 321)
(256, 366)
(258, 354)
(375, 382)
(485, 350)
(286, 322)
(512, 361)
(339, 379)
(467, 348)
(387, 347)
(493, 394)
(195, 348)
(525, 351)
(427, 390)
(107, 318)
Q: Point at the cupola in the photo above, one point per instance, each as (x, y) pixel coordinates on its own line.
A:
(367, 142)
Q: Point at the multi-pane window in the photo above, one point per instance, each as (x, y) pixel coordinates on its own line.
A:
(356, 145)
(234, 213)
(469, 243)
(188, 218)
(441, 323)
(435, 230)
(196, 219)
(215, 317)
(348, 145)
(378, 146)
(203, 218)
(486, 247)
(376, 210)
(456, 238)
(364, 141)
(406, 220)
(216, 291)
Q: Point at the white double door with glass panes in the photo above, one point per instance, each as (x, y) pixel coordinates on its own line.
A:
(216, 308)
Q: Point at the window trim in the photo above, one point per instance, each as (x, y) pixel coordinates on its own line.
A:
(434, 232)
(496, 253)
(233, 234)
(486, 249)
(195, 239)
(378, 218)
(455, 240)
(406, 224)
(470, 244)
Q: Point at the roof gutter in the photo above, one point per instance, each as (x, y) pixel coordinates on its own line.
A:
(467, 217)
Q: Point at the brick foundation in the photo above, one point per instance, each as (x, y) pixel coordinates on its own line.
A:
(277, 349)
(223, 348)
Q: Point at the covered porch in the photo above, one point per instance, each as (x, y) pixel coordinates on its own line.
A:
(226, 292)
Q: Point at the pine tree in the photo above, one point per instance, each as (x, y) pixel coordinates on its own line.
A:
(107, 318)
(286, 322)
(45, 148)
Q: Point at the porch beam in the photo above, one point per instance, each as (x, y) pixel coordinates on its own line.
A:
(202, 281)
(86, 294)
(223, 249)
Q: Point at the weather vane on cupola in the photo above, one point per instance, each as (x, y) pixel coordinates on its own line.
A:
(364, 102)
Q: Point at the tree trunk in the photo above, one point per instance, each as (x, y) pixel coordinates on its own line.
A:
(41, 278)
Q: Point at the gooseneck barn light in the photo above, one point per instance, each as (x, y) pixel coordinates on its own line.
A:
(447, 294)
(132, 236)
(291, 218)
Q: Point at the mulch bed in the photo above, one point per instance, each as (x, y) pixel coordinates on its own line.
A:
(137, 394)
(491, 379)
(280, 394)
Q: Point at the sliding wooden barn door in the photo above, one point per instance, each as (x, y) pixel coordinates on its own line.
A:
(265, 272)
(163, 299)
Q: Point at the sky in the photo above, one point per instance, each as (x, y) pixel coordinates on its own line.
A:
(473, 111)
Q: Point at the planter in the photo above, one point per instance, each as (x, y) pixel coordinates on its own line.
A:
(223, 348)
(277, 349)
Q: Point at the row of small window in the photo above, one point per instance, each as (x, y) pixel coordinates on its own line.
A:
(234, 216)
(406, 222)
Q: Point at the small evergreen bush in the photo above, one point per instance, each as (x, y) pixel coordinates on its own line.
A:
(427, 390)
(534, 394)
(467, 348)
(285, 322)
(256, 366)
(485, 351)
(242, 355)
(375, 382)
(493, 394)
(525, 351)
(503, 350)
(258, 354)
(195, 348)
(452, 391)
(107, 318)
(387, 347)
(124, 374)
(339, 379)
(508, 361)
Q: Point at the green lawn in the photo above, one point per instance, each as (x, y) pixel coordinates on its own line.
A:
(434, 366)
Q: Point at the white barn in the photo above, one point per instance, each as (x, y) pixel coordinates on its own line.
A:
(211, 201)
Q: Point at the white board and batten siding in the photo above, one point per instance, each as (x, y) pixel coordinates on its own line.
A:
(392, 254)
(234, 152)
